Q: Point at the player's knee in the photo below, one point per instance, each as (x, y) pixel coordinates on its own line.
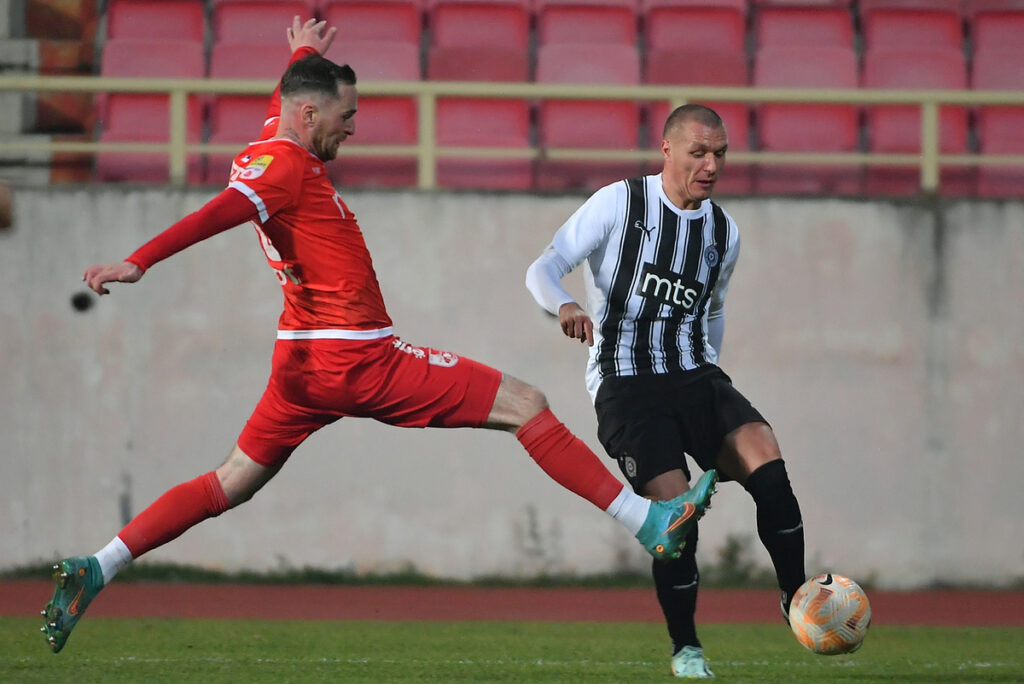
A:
(534, 401)
(241, 477)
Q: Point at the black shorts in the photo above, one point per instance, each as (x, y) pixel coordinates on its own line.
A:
(649, 422)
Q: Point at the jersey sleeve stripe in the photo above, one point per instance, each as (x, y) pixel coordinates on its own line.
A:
(253, 197)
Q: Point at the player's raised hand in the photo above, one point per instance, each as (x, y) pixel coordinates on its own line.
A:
(576, 324)
(311, 34)
(97, 276)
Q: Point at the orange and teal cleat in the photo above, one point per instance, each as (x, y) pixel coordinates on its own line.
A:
(664, 531)
(78, 581)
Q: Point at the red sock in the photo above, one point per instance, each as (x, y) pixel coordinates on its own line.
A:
(177, 510)
(567, 460)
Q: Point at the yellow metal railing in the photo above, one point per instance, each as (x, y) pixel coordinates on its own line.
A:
(177, 148)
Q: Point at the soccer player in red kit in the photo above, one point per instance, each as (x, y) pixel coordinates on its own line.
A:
(336, 354)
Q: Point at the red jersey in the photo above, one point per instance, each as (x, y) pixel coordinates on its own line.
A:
(311, 240)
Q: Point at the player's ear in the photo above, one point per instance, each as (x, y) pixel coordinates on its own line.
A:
(666, 148)
(309, 113)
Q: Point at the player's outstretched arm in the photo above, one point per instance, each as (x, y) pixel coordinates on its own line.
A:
(228, 209)
(97, 276)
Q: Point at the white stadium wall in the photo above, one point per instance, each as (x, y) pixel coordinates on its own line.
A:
(882, 341)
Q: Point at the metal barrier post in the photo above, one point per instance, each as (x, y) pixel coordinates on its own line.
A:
(177, 136)
(929, 146)
(427, 158)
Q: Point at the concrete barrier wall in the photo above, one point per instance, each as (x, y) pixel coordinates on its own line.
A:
(881, 340)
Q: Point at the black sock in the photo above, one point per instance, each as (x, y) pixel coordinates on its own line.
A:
(676, 584)
(779, 524)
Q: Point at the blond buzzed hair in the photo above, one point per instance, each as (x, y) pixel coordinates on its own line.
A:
(705, 116)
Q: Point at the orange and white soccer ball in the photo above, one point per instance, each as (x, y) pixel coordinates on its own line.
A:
(830, 614)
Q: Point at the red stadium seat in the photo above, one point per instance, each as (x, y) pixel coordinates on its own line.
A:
(897, 129)
(803, 25)
(239, 118)
(1000, 129)
(806, 127)
(253, 21)
(476, 122)
(153, 58)
(143, 118)
(381, 120)
(720, 28)
(997, 29)
(387, 20)
(473, 24)
(724, 69)
(128, 117)
(801, 3)
(480, 63)
(254, 61)
(934, 27)
(484, 123)
(587, 123)
(159, 19)
(737, 5)
(605, 23)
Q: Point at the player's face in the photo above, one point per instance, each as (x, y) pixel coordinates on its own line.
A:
(335, 123)
(694, 158)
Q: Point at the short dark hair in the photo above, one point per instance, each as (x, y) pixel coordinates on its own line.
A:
(316, 74)
(692, 112)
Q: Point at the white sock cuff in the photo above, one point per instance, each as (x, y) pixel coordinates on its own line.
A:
(630, 509)
(112, 558)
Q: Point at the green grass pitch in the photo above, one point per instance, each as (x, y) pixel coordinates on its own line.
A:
(166, 650)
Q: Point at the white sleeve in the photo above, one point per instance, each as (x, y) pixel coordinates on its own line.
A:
(716, 308)
(578, 237)
(544, 280)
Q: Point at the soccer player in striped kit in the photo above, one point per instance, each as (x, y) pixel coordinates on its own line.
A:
(659, 254)
(336, 353)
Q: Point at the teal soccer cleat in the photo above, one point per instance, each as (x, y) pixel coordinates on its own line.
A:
(78, 581)
(689, 663)
(664, 531)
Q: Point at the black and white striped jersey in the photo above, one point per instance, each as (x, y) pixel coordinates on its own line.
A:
(655, 276)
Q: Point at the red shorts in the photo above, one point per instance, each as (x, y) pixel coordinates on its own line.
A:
(315, 382)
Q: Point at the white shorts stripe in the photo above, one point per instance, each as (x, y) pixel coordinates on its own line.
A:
(253, 197)
(335, 334)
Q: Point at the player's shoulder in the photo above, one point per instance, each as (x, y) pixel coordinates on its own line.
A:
(716, 207)
(732, 229)
(615, 194)
(273, 156)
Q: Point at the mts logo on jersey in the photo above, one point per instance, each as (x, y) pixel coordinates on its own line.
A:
(668, 287)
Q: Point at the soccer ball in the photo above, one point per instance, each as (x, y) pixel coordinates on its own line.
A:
(830, 614)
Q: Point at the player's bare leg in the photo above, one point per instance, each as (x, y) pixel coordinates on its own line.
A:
(751, 456)
(78, 580)
(660, 526)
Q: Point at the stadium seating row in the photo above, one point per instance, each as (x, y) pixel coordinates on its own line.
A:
(659, 24)
(808, 44)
